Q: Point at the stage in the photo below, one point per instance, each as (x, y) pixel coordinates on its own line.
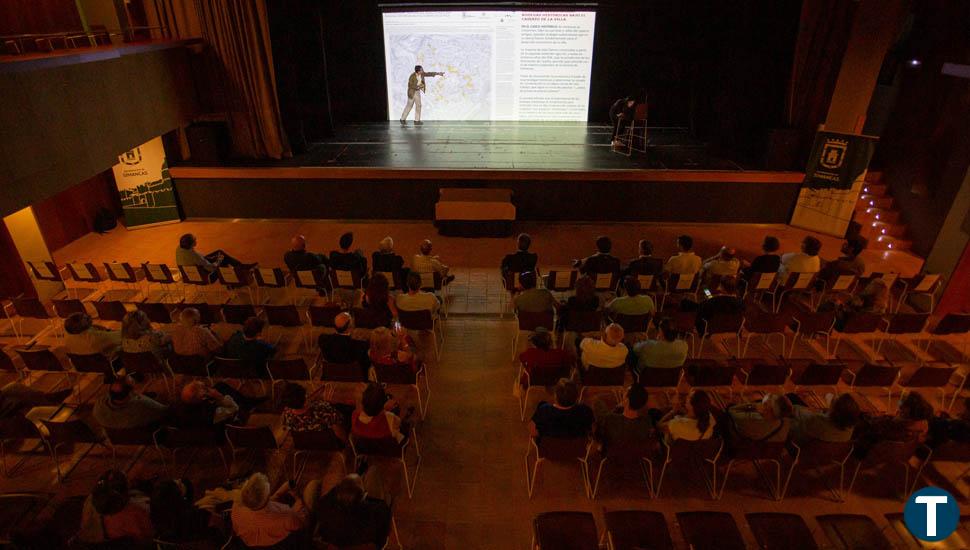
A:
(556, 170)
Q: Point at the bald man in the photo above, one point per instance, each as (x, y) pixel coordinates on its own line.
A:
(298, 259)
(341, 347)
(606, 352)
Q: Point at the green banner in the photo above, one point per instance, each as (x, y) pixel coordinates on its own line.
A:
(147, 195)
(837, 160)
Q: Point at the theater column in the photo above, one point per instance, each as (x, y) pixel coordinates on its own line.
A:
(30, 245)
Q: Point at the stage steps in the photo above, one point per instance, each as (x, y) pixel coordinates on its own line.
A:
(881, 221)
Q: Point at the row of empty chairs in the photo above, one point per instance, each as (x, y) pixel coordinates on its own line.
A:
(97, 35)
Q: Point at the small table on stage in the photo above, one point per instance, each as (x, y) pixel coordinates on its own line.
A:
(462, 212)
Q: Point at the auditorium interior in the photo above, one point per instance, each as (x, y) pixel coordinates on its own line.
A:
(648, 274)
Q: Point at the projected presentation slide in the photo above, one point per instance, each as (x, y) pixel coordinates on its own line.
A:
(497, 65)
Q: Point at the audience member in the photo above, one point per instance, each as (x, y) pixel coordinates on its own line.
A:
(521, 260)
(667, 351)
(566, 418)
(82, 337)
(645, 263)
(187, 255)
(348, 517)
(910, 423)
(392, 348)
(301, 415)
(16, 398)
(425, 262)
(763, 421)
(374, 418)
(635, 302)
(190, 338)
(385, 260)
(601, 262)
(204, 406)
(769, 261)
(726, 302)
(684, 262)
(377, 300)
(946, 428)
(416, 299)
(532, 299)
(341, 347)
(138, 336)
(247, 346)
(542, 357)
(346, 259)
(723, 264)
(176, 519)
(835, 425)
(805, 261)
(123, 408)
(584, 299)
(297, 258)
(115, 513)
(627, 426)
(692, 423)
(261, 519)
(849, 263)
(606, 352)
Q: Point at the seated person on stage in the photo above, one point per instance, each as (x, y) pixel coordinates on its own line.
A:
(666, 352)
(374, 418)
(416, 299)
(261, 519)
(301, 415)
(723, 264)
(621, 113)
(566, 418)
(385, 260)
(393, 348)
(684, 262)
(114, 512)
(849, 263)
(346, 259)
(625, 426)
(123, 408)
(521, 260)
(542, 357)
(297, 258)
(805, 261)
(606, 352)
(766, 420)
(601, 262)
(377, 300)
(835, 425)
(83, 337)
(203, 406)
(348, 517)
(425, 262)
(247, 346)
(693, 422)
(532, 299)
(341, 347)
(190, 338)
(138, 336)
(768, 262)
(645, 263)
(634, 303)
(187, 255)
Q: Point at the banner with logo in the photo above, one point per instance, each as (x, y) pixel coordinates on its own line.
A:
(147, 196)
(834, 175)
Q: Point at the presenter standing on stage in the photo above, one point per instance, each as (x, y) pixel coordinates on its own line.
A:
(415, 89)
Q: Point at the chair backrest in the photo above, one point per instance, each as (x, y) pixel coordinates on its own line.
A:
(648, 283)
(431, 282)
(907, 323)
(860, 322)
(251, 437)
(323, 316)
(811, 322)
(45, 271)
(370, 318)
(683, 282)
(890, 452)
(184, 438)
(349, 279)
(144, 362)
(876, 376)
(384, 447)
(531, 320)
(18, 513)
(194, 275)
(189, 365)
(342, 372)
(130, 436)
(565, 530)
(318, 440)
(548, 377)
(285, 315)
(158, 273)
(236, 314)
(121, 272)
(762, 281)
(93, 363)
(64, 308)
(416, 320)
(724, 323)
(157, 312)
(18, 426)
(781, 530)
(235, 277)
(935, 375)
(70, 431)
(39, 358)
(597, 376)
(767, 374)
(110, 310)
(236, 369)
(30, 308)
(270, 277)
(654, 377)
(393, 279)
(310, 278)
(709, 373)
(705, 449)
(288, 369)
(605, 281)
(815, 452)
(758, 321)
(208, 313)
(820, 374)
(584, 321)
(629, 529)
(562, 449)
(561, 280)
(6, 362)
(925, 283)
(84, 273)
(710, 530)
(949, 451)
(799, 281)
(394, 374)
(953, 323)
(683, 321)
(842, 282)
(632, 323)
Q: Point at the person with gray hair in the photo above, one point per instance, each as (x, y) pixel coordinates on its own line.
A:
(385, 260)
(191, 338)
(261, 518)
(606, 352)
(425, 262)
(765, 420)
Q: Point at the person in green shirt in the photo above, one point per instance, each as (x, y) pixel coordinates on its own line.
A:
(667, 351)
(532, 299)
(835, 425)
(634, 303)
(628, 425)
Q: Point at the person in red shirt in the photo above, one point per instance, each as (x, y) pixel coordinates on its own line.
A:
(542, 357)
(374, 418)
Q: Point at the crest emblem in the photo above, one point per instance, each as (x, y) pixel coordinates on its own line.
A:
(131, 157)
(833, 153)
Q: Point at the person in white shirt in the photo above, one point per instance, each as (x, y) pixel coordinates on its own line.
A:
(725, 263)
(426, 263)
(806, 261)
(608, 352)
(685, 262)
(415, 299)
(692, 423)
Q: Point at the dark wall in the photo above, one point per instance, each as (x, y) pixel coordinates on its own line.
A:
(38, 16)
(925, 150)
(69, 215)
(63, 124)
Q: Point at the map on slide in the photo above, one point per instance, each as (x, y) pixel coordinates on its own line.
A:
(463, 93)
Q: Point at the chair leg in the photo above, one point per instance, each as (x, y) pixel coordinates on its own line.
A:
(599, 473)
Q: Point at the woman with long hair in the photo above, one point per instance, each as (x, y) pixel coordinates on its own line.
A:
(694, 422)
(137, 335)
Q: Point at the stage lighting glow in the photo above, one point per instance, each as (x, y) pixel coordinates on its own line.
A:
(915, 62)
(496, 64)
